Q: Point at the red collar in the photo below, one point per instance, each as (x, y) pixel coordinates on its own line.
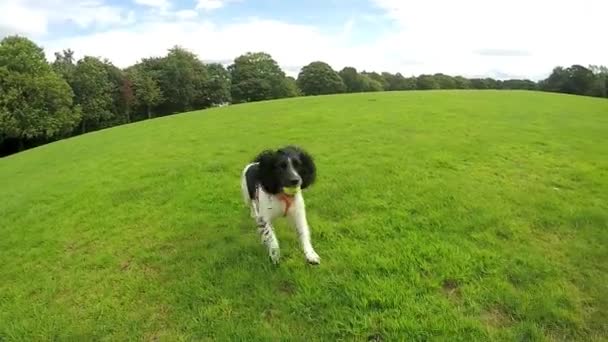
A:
(285, 198)
(288, 200)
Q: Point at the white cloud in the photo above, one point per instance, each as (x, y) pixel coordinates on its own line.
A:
(186, 14)
(294, 44)
(460, 36)
(209, 5)
(91, 14)
(18, 19)
(162, 4)
(517, 38)
(35, 17)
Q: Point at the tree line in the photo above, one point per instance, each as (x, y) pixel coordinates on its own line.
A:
(42, 102)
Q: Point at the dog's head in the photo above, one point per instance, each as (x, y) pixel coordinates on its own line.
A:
(286, 167)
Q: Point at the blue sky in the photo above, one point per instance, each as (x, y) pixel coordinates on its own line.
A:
(515, 38)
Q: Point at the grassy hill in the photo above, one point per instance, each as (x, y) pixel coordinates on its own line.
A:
(453, 214)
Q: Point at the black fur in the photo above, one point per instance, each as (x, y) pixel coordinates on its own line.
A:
(272, 173)
(251, 177)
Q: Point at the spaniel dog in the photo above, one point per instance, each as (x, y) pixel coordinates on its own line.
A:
(271, 187)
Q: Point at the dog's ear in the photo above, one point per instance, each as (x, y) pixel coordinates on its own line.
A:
(307, 168)
(266, 157)
(267, 172)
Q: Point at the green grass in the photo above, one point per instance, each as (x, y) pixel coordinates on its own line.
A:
(471, 215)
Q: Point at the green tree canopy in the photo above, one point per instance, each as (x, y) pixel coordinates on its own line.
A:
(291, 87)
(146, 91)
(353, 81)
(19, 54)
(217, 87)
(398, 82)
(120, 92)
(182, 78)
(384, 85)
(370, 84)
(445, 81)
(600, 87)
(93, 89)
(319, 78)
(461, 82)
(256, 77)
(577, 79)
(65, 64)
(426, 82)
(35, 102)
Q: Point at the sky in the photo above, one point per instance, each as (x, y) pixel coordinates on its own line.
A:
(472, 38)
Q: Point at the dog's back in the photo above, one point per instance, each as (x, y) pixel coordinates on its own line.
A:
(249, 182)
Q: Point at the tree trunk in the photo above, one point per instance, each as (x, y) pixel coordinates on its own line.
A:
(128, 116)
(84, 128)
(149, 112)
(20, 146)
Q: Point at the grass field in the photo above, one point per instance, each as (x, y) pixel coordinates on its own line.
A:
(471, 215)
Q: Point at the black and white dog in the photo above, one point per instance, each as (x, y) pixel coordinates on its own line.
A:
(263, 182)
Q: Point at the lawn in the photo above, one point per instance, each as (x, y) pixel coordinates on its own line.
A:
(451, 215)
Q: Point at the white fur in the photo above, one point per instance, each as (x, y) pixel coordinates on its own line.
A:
(268, 208)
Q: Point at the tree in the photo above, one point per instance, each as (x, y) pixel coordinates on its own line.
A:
(600, 88)
(378, 78)
(492, 83)
(121, 94)
(479, 83)
(461, 83)
(580, 80)
(145, 77)
(256, 77)
(40, 102)
(426, 82)
(128, 95)
(319, 78)
(182, 78)
(556, 80)
(291, 87)
(518, 84)
(363, 82)
(398, 82)
(64, 64)
(445, 81)
(575, 79)
(146, 91)
(93, 92)
(184, 83)
(21, 55)
(35, 102)
(352, 80)
(368, 84)
(217, 87)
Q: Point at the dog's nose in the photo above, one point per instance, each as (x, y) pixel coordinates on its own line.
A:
(294, 181)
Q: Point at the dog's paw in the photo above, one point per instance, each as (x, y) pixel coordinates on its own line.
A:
(275, 254)
(313, 258)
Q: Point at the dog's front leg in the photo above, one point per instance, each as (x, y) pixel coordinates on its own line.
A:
(298, 218)
(269, 239)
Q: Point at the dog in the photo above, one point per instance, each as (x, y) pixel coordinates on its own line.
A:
(263, 184)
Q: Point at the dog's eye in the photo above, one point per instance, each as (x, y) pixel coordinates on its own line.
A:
(283, 165)
(295, 162)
